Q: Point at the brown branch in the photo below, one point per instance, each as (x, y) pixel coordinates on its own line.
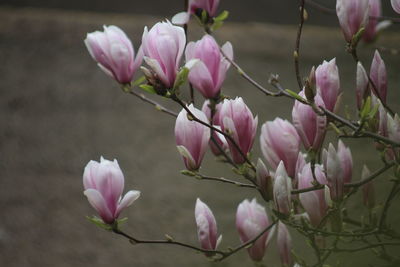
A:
(296, 54)
(154, 103)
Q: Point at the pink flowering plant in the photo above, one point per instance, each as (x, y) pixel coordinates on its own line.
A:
(303, 182)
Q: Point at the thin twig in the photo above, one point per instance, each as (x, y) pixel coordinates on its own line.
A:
(154, 103)
(297, 49)
(372, 176)
(222, 180)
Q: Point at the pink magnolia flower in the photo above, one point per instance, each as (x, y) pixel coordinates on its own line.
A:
(378, 76)
(193, 8)
(284, 242)
(219, 138)
(163, 48)
(328, 83)
(237, 120)
(280, 142)
(206, 226)
(104, 183)
(371, 28)
(313, 201)
(362, 88)
(191, 138)
(352, 15)
(282, 190)
(208, 75)
(346, 161)
(251, 220)
(310, 127)
(114, 53)
(334, 172)
(396, 5)
(393, 127)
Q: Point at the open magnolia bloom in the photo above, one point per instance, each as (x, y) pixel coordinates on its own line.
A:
(104, 183)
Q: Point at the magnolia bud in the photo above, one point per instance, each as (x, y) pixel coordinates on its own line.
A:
(163, 48)
(251, 220)
(237, 120)
(191, 137)
(114, 53)
(368, 189)
(352, 15)
(194, 7)
(334, 173)
(280, 142)
(284, 242)
(378, 76)
(328, 83)
(206, 226)
(362, 85)
(282, 190)
(104, 183)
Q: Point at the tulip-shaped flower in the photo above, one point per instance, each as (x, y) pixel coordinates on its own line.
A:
(163, 48)
(328, 83)
(114, 53)
(191, 137)
(280, 142)
(396, 5)
(368, 189)
(218, 137)
(310, 127)
(313, 201)
(104, 183)
(352, 15)
(378, 76)
(334, 172)
(346, 161)
(209, 73)
(195, 7)
(375, 11)
(206, 226)
(393, 127)
(282, 190)
(238, 121)
(362, 88)
(284, 242)
(251, 220)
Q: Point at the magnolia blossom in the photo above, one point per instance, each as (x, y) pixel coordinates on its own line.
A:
(193, 8)
(163, 48)
(104, 183)
(208, 75)
(282, 190)
(206, 226)
(280, 142)
(238, 121)
(352, 15)
(393, 127)
(362, 88)
(114, 53)
(310, 127)
(378, 76)
(284, 242)
(216, 122)
(251, 220)
(328, 83)
(313, 201)
(346, 161)
(371, 28)
(334, 172)
(396, 5)
(191, 137)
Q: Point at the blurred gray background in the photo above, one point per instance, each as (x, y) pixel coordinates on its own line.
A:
(58, 111)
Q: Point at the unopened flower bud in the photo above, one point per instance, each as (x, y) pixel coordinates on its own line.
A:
(284, 242)
(352, 15)
(104, 183)
(206, 226)
(194, 6)
(328, 83)
(334, 173)
(378, 76)
(282, 190)
(264, 180)
(238, 121)
(362, 86)
(251, 220)
(191, 137)
(114, 53)
(368, 189)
